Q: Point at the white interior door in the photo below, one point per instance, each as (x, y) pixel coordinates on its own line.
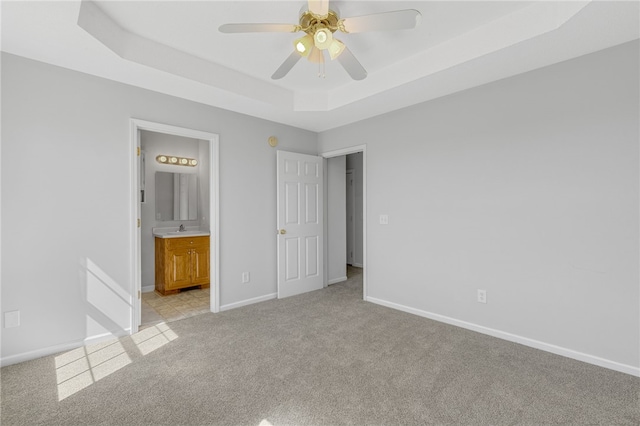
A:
(300, 222)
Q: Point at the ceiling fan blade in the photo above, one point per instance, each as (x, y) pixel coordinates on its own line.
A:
(396, 20)
(319, 7)
(351, 65)
(258, 28)
(286, 65)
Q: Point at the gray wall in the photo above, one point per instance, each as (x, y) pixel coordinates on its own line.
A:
(354, 162)
(527, 188)
(336, 220)
(66, 258)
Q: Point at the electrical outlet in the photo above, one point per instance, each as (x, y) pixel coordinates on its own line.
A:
(245, 277)
(11, 319)
(482, 296)
(384, 219)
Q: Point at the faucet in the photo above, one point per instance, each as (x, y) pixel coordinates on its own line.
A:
(181, 228)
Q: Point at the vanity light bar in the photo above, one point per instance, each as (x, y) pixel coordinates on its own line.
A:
(176, 161)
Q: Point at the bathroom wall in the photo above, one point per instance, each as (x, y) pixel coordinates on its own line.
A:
(153, 144)
(66, 194)
(204, 173)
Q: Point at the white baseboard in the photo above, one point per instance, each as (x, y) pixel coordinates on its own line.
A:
(248, 302)
(558, 350)
(50, 350)
(336, 280)
(148, 288)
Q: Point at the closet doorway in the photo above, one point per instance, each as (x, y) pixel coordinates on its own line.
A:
(345, 215)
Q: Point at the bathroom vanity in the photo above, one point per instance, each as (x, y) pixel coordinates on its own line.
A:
(182, 260)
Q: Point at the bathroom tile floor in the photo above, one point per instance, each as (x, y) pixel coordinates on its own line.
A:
(187, 303)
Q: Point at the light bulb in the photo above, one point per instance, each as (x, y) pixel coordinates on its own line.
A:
(336, 48)
(173, 160)
(162, 159)
(183, 161)
(194, 162)
(323, 38)
(303, 45)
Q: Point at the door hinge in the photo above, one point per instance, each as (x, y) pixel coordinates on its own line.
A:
(139, 295)
(138, 223)
(138, 151)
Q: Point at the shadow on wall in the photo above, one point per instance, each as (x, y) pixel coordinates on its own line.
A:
(107, 313)
(108, 305)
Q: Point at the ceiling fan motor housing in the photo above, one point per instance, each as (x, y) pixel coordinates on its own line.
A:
(310, 23)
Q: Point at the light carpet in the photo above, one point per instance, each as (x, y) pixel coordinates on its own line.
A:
(322, 358)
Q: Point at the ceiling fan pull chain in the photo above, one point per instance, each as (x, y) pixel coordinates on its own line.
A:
(321, 73)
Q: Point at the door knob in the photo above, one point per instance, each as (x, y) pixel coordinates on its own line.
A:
(283, 231)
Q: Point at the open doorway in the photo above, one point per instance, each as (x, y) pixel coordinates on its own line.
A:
(345, 216)
(173, 197)
(151, 141)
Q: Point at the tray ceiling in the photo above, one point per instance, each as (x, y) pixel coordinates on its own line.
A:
(176, 48)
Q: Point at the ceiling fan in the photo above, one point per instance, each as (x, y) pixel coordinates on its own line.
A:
(319, 23)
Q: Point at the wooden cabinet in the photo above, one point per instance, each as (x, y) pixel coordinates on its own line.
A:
(180, 263)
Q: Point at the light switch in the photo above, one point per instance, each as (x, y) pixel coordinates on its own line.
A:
(384, 219)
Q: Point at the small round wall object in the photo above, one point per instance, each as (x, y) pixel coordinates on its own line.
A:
(273, 141)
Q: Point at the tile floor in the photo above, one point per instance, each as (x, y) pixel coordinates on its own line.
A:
(187, 303)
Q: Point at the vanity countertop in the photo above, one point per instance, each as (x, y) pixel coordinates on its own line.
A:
(174, 233)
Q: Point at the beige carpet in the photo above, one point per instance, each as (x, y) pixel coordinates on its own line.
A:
(323, 358)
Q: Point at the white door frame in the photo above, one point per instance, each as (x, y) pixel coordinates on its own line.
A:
(338, 153)
(214, 210)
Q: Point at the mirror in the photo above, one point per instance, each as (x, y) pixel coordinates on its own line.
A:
(176, 196)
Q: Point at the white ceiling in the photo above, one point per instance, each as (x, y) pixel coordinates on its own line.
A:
(176, 48)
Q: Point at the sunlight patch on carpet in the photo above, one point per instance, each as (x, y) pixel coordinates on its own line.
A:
(152, 338)
(82, 367)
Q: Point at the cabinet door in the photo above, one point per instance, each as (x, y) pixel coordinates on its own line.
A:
(200, 265)
(180, 267)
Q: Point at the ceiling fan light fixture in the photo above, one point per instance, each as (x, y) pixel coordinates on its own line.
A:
(336, 48)
(319, 22)
(316, 56)
(303, 45)
(323, 38)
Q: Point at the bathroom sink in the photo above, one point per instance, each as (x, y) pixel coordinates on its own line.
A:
(177, 234)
